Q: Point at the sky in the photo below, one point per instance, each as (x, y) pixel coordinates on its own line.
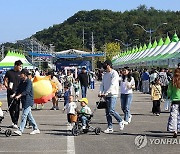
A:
(20, 19)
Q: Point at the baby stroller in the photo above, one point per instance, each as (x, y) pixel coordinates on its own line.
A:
(7, 132)
(77, 128)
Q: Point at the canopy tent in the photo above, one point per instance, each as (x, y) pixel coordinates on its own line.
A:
(72, 53)
(11, 57)
(161, 53)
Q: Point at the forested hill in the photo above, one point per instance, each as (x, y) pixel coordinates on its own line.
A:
(107, 26)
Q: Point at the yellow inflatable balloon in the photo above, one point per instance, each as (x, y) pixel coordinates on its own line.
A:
(44, 89)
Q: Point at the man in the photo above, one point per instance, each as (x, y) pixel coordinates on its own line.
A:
(145, 81)
(109, 88)
(11, 82)
(136, 77)
(84, 81)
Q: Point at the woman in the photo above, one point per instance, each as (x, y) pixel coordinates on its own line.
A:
(174, 94)
(25, 93)
(126, 86)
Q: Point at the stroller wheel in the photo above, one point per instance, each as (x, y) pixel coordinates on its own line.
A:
(8, 132)
(75, 131)
(97, 131)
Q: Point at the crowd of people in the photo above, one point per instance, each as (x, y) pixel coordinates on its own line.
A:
(162, 84)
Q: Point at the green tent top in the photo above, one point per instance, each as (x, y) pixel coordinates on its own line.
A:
(161, 42)
(12, 53)
(154, 44)
(149, 45)
(175, 38)
(167, 41)
(140, 48)
(144, 47)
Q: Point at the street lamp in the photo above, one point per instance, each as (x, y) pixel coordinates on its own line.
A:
(150, 31)
(126, 44)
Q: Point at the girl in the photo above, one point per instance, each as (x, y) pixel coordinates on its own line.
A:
(174, 94)
(156, 96)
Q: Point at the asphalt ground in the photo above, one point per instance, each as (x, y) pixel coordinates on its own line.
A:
(145, 134)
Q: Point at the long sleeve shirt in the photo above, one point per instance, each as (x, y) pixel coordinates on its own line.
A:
(156, 92)
(173, 92)
(110, 84)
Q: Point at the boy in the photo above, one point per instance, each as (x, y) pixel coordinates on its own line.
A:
(85, 112)
(66, 94)
(71, 110)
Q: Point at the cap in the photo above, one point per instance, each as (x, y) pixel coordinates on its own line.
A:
(85, 100)
(25, 71)
(0, 104)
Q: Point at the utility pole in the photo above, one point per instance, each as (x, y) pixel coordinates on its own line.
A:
(2, 50)
(92, 46)
(83, 38)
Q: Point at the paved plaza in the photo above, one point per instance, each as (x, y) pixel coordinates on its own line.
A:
(145, 134)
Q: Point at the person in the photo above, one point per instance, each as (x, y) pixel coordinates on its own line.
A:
(25, 94)
(84, 81)
(136, 77)
(11, 82)
(71, 111)
(174, 94)
(156, 96)
(67, 93)
(59, 89)
(69, 80)
(1, 112)
(127, 84)
(109, 89)
(145, 81)
(84, 112)
(164, 83)
(37, 72)
(76, 86)
(92, 80)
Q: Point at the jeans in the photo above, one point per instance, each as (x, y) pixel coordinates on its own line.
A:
(83, 91)
(145, 86)
(110, 111)
(14, 108)
(84, 120)
(126, 100)
(92, 84)
(27, 113)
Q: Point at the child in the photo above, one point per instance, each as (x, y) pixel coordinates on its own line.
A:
(25, 93)
(156, 96)
(1, 112)
(66, 94)
(76, 86)
(85, 112)
(71, 110)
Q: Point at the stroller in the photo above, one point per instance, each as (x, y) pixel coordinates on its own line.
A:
(77, 128)
(7, 132)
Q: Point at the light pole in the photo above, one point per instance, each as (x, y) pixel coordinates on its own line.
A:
(126, 44)
(150, 31)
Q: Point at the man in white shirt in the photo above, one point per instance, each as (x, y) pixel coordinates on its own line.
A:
(109, 89)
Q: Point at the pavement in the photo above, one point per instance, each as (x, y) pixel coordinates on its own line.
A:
(146, 133)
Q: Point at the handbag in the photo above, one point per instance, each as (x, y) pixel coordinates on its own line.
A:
(101, 104)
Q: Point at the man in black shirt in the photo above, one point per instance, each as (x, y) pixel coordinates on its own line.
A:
(84, 81)
(11, 82)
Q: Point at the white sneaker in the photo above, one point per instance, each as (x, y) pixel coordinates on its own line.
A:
(125, 122)
(36, 131)
(130, 118)
(15, 126)
(121, 125)
(18, 132)
(108, 131)
(83, 127)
